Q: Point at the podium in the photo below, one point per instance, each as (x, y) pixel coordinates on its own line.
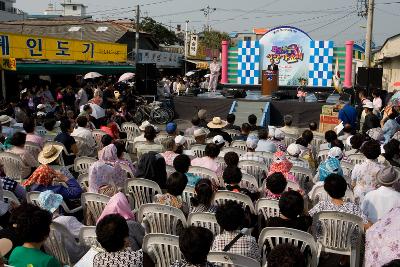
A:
(270, 82)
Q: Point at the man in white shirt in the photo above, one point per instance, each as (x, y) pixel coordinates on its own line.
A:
(379, 202)
(214, 74)
(288, 129)
(83, 132)
(81, 97)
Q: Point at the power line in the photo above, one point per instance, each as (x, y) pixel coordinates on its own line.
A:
(329, 23)
(388, 12)
(345, 29)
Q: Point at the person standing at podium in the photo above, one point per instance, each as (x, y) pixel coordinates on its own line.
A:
(214, 74)
(273, 66)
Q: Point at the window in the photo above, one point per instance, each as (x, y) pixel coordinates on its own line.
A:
(2, 6)
(247, 39)
(74, 8)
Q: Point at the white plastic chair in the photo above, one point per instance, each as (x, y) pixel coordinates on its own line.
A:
(82, 164)
(33, 148)
(187, 194)
(237, 150)
(33, 198)
(83, 180)
(161, 138)
(88, 238)
(233, 133)
(267, 156)
(239, 144)
(317, 141)
(198, 150)
(55, 242)
(225, 259)
(290, 139)
(60, 159)
(93, 205)
(273, 236)
(338, 230)
(221, 162)
(158, 218)
(323, 155)
(97, 135)
(83, 147)
(356, 158)
(254, 168)
(190, 141)
(319, 194)
(131, 130)
(347, 168)
(249, 182)
(267, 208)
(127, 170)
(12, 165)
(292, 185)
(9, 196)
(163, 249)
(141, 191)
(206, 220)
(204, 173)
(221, 197)
(302, 174)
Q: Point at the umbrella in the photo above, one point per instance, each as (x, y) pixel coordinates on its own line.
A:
(395, 99)
(97, 111)
(207, 75)
(92, 75)
(126, 76)
(397, 84)
(190, 73)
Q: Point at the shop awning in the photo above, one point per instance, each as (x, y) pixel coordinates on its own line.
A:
(200, 64)
(57, 68)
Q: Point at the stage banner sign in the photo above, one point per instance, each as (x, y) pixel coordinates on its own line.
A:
(289, 47)
(8, 64)
(49, 48)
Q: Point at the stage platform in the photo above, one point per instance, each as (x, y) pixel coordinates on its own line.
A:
(217, 105)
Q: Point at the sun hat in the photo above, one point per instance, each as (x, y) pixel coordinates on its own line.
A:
(202, 114)
(180, 140)
(50, 201)
(5, 119)
(293, 150)
(144, 125)
(329, 166)
(252, 142)
(49, 153)
(199, 132)
(218, 140)
(217, 123)
(368, 104)
(171, 128)
(335, 152)
(387, 176)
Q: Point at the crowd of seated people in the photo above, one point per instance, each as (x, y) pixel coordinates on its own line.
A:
(351, 173)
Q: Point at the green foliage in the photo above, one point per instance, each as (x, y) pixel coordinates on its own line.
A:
(160, 33)
(213, 39)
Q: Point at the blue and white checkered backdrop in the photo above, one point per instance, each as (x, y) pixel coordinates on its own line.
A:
(320, 66)
(248, 62)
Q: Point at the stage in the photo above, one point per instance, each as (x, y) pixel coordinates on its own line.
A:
(217, 105)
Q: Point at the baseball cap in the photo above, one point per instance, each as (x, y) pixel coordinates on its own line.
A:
(218, 140)
(293, 150)
(171, 127)
(180, 140)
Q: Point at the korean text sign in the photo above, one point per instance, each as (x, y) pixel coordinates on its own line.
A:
(40, 47)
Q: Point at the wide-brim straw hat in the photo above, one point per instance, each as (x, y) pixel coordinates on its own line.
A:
(49, 153)
(217, 123)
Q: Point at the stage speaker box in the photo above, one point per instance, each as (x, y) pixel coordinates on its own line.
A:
(369, 78)
(146, 79)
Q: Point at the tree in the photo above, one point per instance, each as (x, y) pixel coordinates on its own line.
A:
(160, 33)
(213, 39)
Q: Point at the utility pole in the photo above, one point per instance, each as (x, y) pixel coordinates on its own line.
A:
(368, 37)
(137, 34)
(207, 11)
(186, 43)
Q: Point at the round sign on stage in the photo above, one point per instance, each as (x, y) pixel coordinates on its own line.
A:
(289, 48)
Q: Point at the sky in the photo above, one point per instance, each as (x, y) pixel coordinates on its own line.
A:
(322, 19)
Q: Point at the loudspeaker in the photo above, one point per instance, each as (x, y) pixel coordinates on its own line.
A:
(369, 78)
(146, 79)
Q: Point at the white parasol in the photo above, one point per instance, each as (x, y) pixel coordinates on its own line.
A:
(207, 75)
(190, 73)
(92, 75)
(97, 111)
(126, 76)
